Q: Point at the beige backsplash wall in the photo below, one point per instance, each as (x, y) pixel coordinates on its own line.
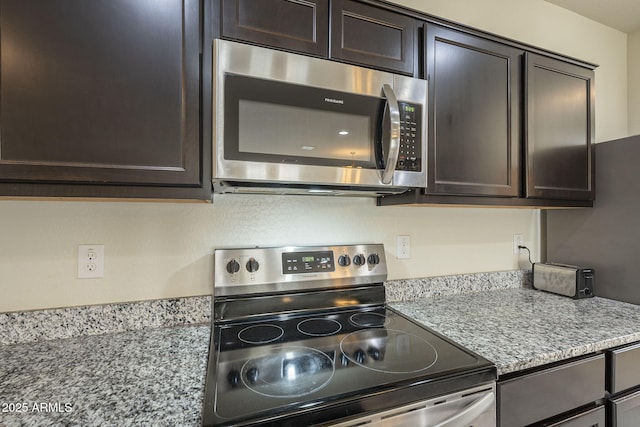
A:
(158, 250)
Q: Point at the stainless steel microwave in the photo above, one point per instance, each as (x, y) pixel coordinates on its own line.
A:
(291, 124)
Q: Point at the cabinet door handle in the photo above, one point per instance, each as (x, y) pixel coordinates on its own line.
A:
(386, 176)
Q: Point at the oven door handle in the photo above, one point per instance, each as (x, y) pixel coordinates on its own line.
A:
(386, 176)
(470, 413)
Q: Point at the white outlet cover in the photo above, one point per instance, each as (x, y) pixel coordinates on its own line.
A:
(90, 261)
(517, 241)
(403, 247)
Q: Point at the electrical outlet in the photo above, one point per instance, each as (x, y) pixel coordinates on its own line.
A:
(90, 261)
(403, 247)
(517, 242)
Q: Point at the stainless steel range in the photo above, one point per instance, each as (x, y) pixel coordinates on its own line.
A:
(302, 336)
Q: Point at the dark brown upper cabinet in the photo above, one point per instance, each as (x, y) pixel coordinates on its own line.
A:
(101, 93)
(560, 129)
(474, 114)
(357, 33)
(295, 25)
(369, 36)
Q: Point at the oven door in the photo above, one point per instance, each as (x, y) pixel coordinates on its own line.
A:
(474, 407)
(290, 119)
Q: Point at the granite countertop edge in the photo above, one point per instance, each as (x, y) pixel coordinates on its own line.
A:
(559, 356)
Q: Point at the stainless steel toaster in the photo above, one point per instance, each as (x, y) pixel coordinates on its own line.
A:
(568, 280)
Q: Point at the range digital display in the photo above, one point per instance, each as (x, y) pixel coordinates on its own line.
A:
(308, 262)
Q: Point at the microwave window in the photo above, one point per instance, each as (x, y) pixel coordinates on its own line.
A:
(294, 131)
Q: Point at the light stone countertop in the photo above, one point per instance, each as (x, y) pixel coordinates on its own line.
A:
(148, 377)
(521, 328)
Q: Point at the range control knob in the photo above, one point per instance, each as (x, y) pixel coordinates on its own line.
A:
(344, 260)
(233, 266)
(233, 377)
(359, 259)
(344, 360)
(360, 356)
(252, 375)
(373, 259)
(252, 265)
(374, 353)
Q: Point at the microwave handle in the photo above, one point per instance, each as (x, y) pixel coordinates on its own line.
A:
(394, 134)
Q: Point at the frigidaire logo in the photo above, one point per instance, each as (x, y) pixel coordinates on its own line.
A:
(334, 101)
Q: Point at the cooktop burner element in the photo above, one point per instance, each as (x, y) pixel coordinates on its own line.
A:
(369, 320)
(301, 339)
(288, 371)
(388, 350)
(319, 327)
(260, 334)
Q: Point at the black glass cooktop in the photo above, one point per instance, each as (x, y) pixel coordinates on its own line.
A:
(271, 366)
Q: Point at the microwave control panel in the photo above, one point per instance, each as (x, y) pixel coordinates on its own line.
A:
(410, 156)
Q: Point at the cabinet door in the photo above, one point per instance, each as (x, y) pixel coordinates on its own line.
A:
(297, 25)
(100, 92)
(560, 129)
(474, 114)
(373, 37)
(625, 410)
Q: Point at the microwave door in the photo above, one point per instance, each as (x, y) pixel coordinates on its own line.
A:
(390, 143)
(305, 122)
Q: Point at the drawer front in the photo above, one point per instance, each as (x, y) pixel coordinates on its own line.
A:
(539, 395)
(625, 369)
(592, 418)
(625, 411)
